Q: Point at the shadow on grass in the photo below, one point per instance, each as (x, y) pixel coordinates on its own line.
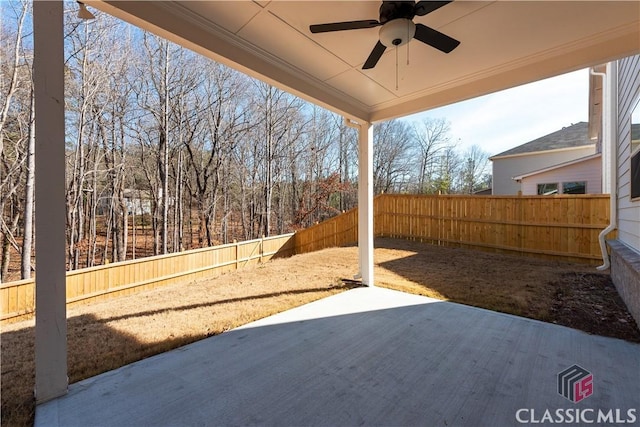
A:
(566, 294)
(342, 287)
(468, 277)
(94, 348)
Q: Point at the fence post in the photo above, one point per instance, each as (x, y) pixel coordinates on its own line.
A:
(261, 249)
(237, 253)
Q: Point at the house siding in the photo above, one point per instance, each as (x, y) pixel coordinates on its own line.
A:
(625, 251)
(628, 95)
(504, 169)
(589, 171)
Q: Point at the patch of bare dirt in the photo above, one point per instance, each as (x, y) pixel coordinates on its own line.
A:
(590, 302)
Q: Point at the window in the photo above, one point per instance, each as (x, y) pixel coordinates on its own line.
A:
(547, 189)
(635, 152)
(578, 187)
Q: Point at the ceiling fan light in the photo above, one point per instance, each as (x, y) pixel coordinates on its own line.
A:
(397, 32)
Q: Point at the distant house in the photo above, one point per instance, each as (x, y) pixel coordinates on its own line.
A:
(580, 176)
(138, 202)
(564, 162)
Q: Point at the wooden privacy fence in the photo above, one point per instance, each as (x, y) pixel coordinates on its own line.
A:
(123, 278)
(337, 231)
(559, 227)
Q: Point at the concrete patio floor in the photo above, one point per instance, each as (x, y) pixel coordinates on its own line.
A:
(368, 356)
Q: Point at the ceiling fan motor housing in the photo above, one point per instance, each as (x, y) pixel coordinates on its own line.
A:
(397, 32)
(390, 10)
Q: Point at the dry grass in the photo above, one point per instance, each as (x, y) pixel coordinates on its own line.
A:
(510, 284)
(107, 335)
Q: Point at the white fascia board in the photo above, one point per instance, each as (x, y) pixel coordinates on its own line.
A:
(531, 153)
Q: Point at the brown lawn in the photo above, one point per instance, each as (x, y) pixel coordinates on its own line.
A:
(110, 334)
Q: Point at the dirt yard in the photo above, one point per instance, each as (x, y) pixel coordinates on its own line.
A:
(107, 335)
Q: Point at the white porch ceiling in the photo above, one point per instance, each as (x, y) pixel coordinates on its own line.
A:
(503, 44)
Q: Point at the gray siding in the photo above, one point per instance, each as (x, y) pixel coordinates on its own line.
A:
(628, 95)
(504, 169)
(589, 171)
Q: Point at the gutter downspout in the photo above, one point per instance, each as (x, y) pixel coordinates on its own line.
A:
(609, 128)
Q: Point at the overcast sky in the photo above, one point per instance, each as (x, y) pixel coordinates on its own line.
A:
(506, 119)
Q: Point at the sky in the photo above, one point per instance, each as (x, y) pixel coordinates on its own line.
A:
(506, 119)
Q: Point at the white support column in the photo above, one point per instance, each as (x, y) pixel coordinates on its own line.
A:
(365, 202)
(51, 313)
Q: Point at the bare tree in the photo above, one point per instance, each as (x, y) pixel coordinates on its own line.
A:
(213, 134)
(15, 118)
(447, 171)
(153, 90)
(391, 156)
(279, 118)
(29, 193)
(432, 137)
(474, 170)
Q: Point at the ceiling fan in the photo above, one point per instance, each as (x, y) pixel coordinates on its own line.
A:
(398, 28)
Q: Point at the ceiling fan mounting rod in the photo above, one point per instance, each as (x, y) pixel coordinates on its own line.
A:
(390, 10)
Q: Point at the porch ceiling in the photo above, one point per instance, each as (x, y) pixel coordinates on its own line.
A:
(503, 44)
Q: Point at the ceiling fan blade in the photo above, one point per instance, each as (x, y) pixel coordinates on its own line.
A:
(435, 38)
(423, 7)
(341, 26)
(374, 56)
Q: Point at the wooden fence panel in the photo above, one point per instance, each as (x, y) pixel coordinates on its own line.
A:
(123, 278)
(337, 231)
(564, 227)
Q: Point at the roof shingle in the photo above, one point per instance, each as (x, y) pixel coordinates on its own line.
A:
(576, 135)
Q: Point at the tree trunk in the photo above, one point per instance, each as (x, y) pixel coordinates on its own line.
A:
(29, 195)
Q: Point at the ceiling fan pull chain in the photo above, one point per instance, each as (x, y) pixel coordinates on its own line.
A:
(396, 68)
(408, 40)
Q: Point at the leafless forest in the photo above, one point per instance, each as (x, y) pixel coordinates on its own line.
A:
(168, 150)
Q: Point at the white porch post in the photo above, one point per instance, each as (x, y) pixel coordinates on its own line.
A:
(365, 202)
(51, 322)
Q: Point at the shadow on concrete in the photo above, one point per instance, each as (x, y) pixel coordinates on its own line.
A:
(364, 357)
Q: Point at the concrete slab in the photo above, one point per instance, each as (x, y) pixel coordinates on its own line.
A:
(368, 356)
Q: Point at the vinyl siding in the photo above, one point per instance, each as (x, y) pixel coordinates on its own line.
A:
(628, 95)
(589, 171)
(504, 169)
